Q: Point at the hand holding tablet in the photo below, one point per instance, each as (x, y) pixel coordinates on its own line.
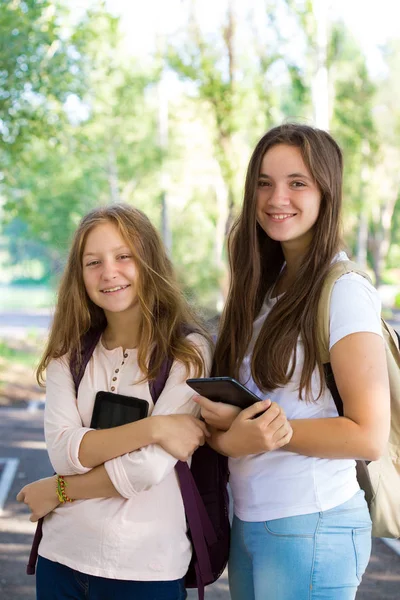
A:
(224, 389)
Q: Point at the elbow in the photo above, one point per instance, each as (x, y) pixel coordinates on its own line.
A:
(375, 452)
(146, 481)
(375, 448)
(372, 441)
(62, 468)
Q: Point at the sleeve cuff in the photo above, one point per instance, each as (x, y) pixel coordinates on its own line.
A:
(343, 332)
(118, 477)
(74, 443)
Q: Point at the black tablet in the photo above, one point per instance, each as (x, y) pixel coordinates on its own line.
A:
(224, 389)
(112, 410)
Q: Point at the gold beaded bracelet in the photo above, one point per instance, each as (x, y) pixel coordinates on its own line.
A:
(61, 485)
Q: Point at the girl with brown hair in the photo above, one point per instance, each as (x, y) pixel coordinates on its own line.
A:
(301, 528)
(115, 524)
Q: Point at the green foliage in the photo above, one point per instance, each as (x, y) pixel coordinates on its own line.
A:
(108, 154)
(38, 70)
(79, 128)
(16, 356)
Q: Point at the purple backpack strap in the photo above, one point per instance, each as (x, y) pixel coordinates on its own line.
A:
(89, 343)
(31, 566)
(200, 526)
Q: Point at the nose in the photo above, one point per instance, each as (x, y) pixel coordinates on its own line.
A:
(279, 196)
(109, 270)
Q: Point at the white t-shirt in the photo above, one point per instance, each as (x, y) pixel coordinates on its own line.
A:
(280, 483)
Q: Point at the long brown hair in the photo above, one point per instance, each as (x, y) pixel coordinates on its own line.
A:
(256, 261)
(165, 314)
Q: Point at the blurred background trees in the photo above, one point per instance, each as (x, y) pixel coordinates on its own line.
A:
(84, 122)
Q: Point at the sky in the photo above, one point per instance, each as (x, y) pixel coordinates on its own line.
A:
(371, 22)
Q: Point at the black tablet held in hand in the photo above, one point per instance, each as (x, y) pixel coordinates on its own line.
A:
(224, 389)
(112, 410)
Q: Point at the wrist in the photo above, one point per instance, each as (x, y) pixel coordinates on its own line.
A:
(155, 425)
(54, 486)
(61, 485)
(222, 441)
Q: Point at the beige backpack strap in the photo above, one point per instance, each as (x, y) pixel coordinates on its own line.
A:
(337, 270)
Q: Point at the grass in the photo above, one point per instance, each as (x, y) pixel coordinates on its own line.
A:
(18, 360)
(23, 356)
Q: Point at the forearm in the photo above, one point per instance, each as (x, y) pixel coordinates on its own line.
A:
(216, 441)
(221, 442)
(337, 437)
(99, 446)
(95, 484)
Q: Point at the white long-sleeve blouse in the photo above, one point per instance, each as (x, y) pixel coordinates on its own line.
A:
(141, 535)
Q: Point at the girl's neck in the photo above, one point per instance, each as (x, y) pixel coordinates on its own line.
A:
(122, 331)
(293, 261)
(294, 256)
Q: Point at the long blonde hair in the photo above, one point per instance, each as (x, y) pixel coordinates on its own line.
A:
(165, 314)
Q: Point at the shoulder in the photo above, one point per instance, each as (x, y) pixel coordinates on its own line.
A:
(355, 307)
(202, 344)
(203, 348)
(59, 369)
(356, 290)
(58, 365)
(197, 339)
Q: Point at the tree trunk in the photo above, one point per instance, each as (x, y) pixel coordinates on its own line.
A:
(113, 177)
(362, 236)
(381, 242)
(362, 239)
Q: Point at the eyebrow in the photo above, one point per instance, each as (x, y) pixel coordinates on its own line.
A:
(290, 176)
(113, 250)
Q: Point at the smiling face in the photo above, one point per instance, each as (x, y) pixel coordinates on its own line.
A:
(288, 198)
(109, 271)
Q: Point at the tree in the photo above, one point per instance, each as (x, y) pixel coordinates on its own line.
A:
(38, 70)
(385, 176)
(353, 125)
(103, 152)
(232, 93)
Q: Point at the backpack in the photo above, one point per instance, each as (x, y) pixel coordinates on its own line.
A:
(203, 488)
(379, 479)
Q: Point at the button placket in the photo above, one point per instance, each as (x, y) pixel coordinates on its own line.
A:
(116, 371)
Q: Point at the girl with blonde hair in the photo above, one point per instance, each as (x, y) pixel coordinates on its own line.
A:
(114, 523)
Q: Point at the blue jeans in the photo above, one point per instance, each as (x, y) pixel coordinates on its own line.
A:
(58, 582)
(320, 556)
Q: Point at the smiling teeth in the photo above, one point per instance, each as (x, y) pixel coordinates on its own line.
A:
(120, 287)
(281, 217)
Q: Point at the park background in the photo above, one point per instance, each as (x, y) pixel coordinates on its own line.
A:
(159, 104)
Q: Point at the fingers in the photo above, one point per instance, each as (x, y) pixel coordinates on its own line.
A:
(204, 429)
(205, 403)
(20, 496)
(207, 414)
(277, 423)
(255, 409)
(197, 424)
(274, 412)
(283, 441)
